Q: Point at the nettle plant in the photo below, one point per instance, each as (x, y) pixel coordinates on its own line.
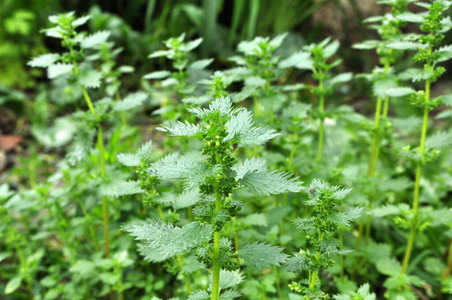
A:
(259, 68)
(216, 174)
(179, 53)
(383, 78)
(321, 230)
(434, 24)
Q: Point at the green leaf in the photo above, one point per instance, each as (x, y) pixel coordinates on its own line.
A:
(253, 174)
(299, 58)
(128, 188)
(411, 17)
(229, 279)
(331, 49)
(169, 240)
(129, 160)
(79, 21)
(240, 128)
(416, 74)
(44, 61)
(405, 45)
(13, 284)
(95, 39)
(341, 78)
(201, 64)
(80, 147)
(256, 219)
(160, 53)
(131, 101)
(180, 129)
(367, 45)
(187, 47)
(90, 78)
(230, 294)
(186, 199)
(59, 69)
(345, 218)
(255, 81)
(389, 266)
(298, 263)
(261, 255)
(400, 91)
(438, 140)
(447, 99)
(295, 87)
(157, 75)
(199, 295)
(222, 105)
(277, 40)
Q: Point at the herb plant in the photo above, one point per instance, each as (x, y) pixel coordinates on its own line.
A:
(217, 175)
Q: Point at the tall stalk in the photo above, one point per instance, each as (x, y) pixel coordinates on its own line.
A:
(406, 258)
(321, 110)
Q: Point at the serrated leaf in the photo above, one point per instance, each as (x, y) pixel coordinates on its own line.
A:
(168, 240)
(345, 218)
(131, 101)
(128, 188)
(400, 91)
(253, 174)
(44, 61)
(229, 279)
(80, 21)
(261, 255)
(240, 128)
(187, 47)
(438, 140)
(222, 105)
(180, 129)
(157, 75)
(129, 160)
(230, 294)
(90, 78)
(341, 78)
(201, 64)
(95, 39)
(199, 295)
(418, 74)
(298, 263)
(186, 198)
(145, 151)
(59, 69)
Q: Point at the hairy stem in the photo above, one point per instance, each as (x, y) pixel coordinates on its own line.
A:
(216, 254)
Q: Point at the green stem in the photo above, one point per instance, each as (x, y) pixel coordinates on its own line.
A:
(321, 109)
(89, 221)
(216, 255)
(187, 281)
(278, 285)
(406, 258)
(314, 274)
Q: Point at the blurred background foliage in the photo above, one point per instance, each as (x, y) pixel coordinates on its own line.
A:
(140, 26)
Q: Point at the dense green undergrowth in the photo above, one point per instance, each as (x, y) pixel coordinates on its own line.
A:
(252, 182)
